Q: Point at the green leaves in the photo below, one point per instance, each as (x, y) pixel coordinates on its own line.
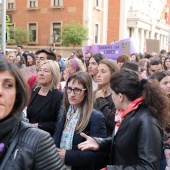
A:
(18, 36)
(73, 34)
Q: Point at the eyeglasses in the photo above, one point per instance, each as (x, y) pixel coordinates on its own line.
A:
(76, 90)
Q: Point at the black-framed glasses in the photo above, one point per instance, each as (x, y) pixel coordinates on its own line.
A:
(75, 90)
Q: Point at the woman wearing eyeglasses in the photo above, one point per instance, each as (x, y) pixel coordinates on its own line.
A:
(77, 116)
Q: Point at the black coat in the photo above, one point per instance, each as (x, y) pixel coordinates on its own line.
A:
(107, 107)
(35, 150)
(137, 144)
(83, 160)
(45, 113)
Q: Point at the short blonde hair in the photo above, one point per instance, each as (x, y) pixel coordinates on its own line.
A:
(55, 70)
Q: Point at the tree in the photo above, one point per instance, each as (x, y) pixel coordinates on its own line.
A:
(73, 34)
(18, 35)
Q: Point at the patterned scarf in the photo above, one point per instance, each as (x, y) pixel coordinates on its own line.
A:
(120, 114)
(69, 129)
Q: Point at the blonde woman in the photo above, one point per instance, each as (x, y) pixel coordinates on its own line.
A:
(45, 99)
(10, 56)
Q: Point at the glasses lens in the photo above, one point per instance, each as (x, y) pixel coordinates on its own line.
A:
(77, 91)
(69, 89)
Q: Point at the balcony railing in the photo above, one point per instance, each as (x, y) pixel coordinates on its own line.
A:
(136, 14)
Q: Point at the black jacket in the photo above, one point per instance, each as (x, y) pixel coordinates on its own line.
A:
(83, 160)
(137, 144)
(45, 113)
(107, 107)
(35, 150)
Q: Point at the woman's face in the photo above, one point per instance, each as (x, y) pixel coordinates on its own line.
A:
(75, 99)
(29, 60)
(44, 75)
(103, 75)
(18, 59)
(92, 68)
(167, 63)
(165, 84)
(7, 93)
(133, 58)
(120, 64)
(70, 69)
(10, 57)
(66, 74)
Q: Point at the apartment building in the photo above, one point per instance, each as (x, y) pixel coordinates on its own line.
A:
(106, 20)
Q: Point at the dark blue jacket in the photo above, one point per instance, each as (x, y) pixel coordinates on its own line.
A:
(76, 158)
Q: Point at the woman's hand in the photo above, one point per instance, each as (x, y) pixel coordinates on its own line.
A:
(35, 124)
(90, 143)
(101, 93)
(62, 153)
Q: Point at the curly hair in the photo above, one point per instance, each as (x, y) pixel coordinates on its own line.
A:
(127, 82)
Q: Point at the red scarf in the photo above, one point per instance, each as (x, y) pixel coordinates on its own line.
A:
(120, 114)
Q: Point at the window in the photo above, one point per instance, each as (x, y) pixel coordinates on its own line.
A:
(33, 30)
(56, 32)
(32, 4)
(98, 3)
(57, 2)
(10, 4)
(96, 33)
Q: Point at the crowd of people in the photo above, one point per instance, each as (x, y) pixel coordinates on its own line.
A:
(85, 113)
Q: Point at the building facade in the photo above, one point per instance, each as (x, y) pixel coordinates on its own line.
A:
(145, 19)
(106, 20)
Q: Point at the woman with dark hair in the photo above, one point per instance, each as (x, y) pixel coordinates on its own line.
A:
(92, 68)
(20, 61)
(166, 64)
(78, 116)
(22, 146)
(31, 59)
(134, 58)
(164, 80)
(143, 112)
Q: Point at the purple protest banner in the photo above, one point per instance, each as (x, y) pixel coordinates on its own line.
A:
(110, 51)
(132, 45)
(91, 49)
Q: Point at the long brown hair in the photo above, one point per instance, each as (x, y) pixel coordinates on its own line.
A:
(86, 107)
